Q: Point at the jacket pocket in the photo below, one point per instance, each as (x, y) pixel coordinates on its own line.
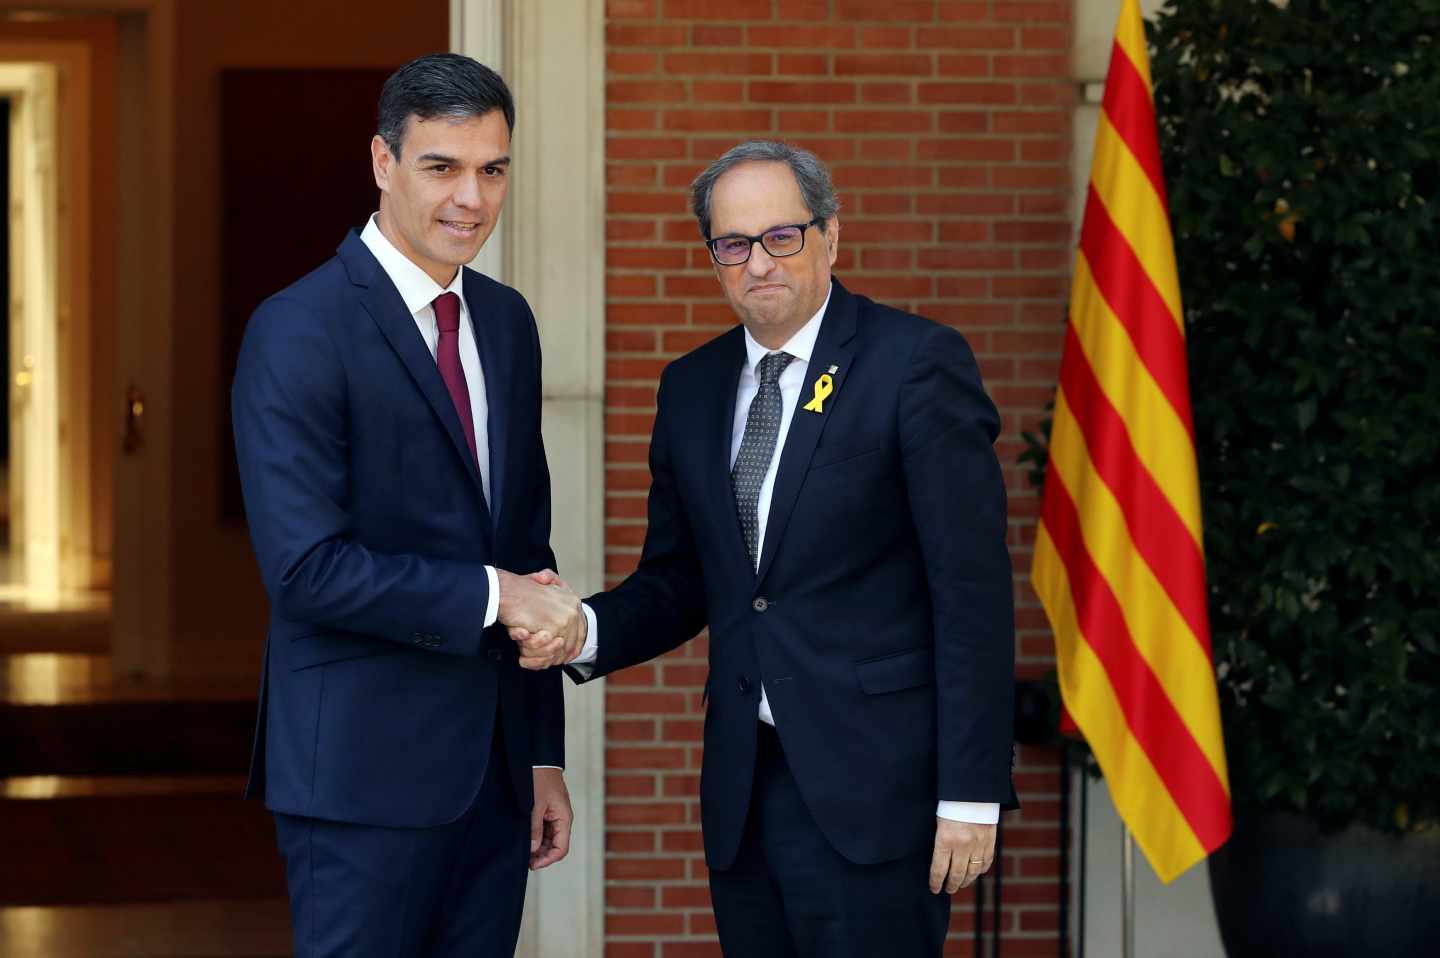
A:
(319, 648)
(905, 669)
(824, 457)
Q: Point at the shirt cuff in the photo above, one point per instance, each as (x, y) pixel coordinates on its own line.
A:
(591, 648)
(976, 813)
(556, 767)
(492, 605)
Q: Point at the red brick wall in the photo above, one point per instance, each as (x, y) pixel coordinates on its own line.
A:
(947, 127)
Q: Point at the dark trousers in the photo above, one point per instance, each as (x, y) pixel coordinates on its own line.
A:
(445, 892)
(789, 894)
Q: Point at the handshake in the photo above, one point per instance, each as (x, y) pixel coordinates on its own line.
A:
(543, 616)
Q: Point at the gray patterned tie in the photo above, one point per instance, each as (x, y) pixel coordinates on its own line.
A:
(757, 447)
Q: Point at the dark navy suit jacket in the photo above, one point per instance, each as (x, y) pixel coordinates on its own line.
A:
(881, 619)
(380, 692)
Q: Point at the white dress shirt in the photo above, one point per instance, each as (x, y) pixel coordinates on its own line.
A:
(418, 291)
(792, 380)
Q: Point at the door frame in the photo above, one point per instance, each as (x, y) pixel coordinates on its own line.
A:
(142, 609)
(35, 308)
(70, 466)
(550, 245)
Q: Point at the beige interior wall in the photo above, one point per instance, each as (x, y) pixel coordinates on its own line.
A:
(219, 606)
(196, 605)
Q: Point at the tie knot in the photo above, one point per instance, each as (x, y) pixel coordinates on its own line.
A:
(447, 312)
(771, 366)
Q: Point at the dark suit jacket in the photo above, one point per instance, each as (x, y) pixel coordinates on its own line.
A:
(372, 532)
(881, 619)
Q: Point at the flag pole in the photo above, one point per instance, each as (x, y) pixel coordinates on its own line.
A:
(1127, 895)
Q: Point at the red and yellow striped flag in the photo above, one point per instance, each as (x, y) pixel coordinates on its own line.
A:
(1119, 564)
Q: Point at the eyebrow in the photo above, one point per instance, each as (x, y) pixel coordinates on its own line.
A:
(761, 233)
(452, 161)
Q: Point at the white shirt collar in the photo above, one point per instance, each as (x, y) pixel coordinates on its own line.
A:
(416, 287)
(800, 345)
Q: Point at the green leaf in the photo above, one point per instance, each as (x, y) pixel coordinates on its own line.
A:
(1305, 413)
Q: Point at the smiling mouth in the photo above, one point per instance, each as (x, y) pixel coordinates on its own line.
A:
(459, 228)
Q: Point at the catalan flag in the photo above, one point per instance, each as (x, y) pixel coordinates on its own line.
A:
(1119, 562)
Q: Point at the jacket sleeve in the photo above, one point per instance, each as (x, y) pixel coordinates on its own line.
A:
(291, 421)
(947, 428)
(662, 603)
(547, 727)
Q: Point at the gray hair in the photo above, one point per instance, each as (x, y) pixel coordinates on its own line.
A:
(811, 176)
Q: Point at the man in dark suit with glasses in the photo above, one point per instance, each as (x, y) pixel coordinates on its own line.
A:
(826, 499)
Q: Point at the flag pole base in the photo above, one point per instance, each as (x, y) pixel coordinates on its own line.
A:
(1127, 896)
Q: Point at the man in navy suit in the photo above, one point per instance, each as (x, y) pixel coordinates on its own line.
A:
(826, 499)
(387, 421)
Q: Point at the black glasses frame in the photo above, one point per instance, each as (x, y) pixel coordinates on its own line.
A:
(802, 227)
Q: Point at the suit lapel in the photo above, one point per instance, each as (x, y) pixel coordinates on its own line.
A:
(491, 339)
(833, 347)
(382, 301)
(717, 465)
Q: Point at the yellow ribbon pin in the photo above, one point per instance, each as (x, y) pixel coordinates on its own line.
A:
(824, 386)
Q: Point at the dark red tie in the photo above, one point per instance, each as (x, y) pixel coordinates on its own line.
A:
(447, 357)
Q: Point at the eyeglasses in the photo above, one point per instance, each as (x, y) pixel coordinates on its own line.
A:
(780, 241)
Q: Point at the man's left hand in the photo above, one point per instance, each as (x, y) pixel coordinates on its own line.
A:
(550, 819)
(963, 852)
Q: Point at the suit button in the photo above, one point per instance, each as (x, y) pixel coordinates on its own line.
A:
(495, 654)
(760, 604)
(436, 641)
(418, 639)
(744, 684)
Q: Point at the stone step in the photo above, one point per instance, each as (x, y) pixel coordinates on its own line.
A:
(126, 738)
(115, 791)
(258, 928)
(79, 626)
(82, 840)
(68, 715)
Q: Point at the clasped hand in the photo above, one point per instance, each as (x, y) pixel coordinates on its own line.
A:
(543, 616)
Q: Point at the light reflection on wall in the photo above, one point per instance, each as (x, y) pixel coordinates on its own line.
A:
(44, 678)
(30, 786)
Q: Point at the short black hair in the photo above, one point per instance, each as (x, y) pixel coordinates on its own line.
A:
(440, 84)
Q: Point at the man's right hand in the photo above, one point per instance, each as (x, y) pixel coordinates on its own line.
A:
(543, 609)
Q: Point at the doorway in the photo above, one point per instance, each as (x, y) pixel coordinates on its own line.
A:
(54, 595)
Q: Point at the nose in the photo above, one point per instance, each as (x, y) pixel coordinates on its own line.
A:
(467, 194)
(760, 262)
